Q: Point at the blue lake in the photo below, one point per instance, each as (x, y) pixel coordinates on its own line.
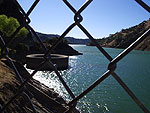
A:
(108, 96)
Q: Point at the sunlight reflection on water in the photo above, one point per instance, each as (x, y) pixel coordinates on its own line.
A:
(107, 97)
(51, 80)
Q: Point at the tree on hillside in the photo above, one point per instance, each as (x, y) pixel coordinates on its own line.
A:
(9, 25)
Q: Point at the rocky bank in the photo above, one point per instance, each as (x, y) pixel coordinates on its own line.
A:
(44, 99)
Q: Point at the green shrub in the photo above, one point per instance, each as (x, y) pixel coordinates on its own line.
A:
(9, 25)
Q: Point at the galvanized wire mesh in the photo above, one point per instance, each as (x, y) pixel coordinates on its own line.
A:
(47, 56)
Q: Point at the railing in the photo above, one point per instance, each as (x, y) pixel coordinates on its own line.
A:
(77, 22)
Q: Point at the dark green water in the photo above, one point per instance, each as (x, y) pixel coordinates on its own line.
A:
(108, 96)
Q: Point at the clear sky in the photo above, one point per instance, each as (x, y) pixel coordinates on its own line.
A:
(101, 17)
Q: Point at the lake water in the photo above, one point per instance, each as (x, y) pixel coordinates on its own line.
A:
(108, 96)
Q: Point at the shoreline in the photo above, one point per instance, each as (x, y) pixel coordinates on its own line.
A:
(44, 99)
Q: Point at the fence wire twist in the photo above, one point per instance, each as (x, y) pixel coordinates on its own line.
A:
(47, 56)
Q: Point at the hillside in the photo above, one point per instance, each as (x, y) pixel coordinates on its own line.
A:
(125, 37)
(43, 98)
(70, 40)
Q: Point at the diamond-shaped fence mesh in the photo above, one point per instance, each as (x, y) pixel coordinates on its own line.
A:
(47, 56)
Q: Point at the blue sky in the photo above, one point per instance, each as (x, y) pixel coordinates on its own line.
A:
(101, 17)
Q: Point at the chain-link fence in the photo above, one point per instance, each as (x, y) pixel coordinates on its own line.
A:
(47, 56)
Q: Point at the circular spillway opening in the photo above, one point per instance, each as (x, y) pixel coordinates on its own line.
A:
(34, 60)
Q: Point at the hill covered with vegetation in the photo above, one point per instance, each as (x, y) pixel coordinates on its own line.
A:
(125, 37)
(70, 40)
